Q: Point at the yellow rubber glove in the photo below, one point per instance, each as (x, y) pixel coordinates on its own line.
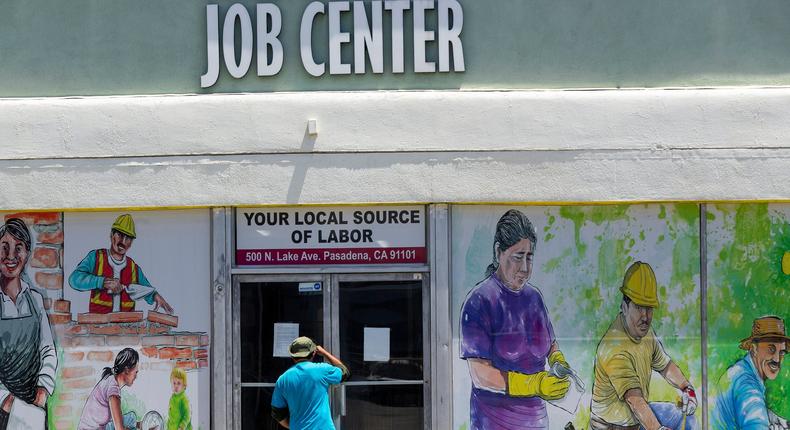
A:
(558, 356)
(539, 384)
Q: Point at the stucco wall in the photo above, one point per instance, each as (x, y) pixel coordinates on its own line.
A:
(518, 146)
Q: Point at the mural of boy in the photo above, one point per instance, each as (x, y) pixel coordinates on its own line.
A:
(741, 404)
(624, 361)
(115, 281)
(179, 415)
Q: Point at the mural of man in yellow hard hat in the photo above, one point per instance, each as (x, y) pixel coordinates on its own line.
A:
(114, 280)
(624, 361)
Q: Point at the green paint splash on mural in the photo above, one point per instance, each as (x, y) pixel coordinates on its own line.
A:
(576, 215)
(580, 264)
(592, 291)
(746, 282)
(54, 400)
(594, 214)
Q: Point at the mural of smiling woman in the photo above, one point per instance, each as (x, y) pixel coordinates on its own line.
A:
(28, 361)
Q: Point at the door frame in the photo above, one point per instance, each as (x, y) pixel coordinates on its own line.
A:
(225, 394)
(331, 328)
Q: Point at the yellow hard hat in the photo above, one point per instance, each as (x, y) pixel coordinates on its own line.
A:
(786, 263)
(640, 285)
(125, 225)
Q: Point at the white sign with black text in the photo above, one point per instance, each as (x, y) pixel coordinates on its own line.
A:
(340, 235)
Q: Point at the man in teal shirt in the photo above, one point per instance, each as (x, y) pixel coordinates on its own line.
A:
(300, 400)
(740, 403)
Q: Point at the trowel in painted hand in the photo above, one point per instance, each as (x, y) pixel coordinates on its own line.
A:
(570, 402)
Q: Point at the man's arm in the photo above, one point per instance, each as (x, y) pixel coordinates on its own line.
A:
(144, 290)
(334, 361)
(636, 401)
(281, 415)
(82, 278)
(751, 411)
(675, 377)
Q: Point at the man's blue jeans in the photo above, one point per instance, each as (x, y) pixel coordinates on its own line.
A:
(669, 415)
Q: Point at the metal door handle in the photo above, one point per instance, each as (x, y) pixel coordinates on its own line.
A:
(342, 400)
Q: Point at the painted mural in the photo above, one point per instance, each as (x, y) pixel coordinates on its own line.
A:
(576, 317)
(96, 331)
(748, 302)
(28, 359)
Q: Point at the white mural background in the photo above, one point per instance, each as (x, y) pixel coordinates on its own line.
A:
(173, 250)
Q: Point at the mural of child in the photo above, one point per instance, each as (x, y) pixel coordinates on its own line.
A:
(115, 281)
(28, 361)
(102, 410)
(178, 414)
(507, 337)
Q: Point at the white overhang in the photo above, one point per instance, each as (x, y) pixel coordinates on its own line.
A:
(389, 147)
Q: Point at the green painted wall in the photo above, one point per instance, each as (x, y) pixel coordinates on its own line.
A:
(746, 244)
(92, 47)
(581, 256)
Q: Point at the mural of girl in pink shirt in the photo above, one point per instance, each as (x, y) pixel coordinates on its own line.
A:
(102, 410)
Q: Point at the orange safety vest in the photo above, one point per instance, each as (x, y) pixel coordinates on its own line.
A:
(101, 300)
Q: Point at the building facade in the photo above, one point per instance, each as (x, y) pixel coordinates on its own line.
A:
(251, 172)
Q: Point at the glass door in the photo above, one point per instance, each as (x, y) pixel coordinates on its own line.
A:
(270, 311)
(377, 324)
(380, 331)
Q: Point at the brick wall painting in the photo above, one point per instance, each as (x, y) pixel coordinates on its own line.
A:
(159, 307)
(31, 274)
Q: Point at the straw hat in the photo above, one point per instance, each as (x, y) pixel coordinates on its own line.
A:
(768, 327)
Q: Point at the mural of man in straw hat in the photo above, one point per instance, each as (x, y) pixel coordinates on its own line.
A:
(740, 403)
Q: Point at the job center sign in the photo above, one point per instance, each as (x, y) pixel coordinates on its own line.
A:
(320, 236)
(365, 37)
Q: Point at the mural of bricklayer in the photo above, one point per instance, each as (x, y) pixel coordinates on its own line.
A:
(92, 341)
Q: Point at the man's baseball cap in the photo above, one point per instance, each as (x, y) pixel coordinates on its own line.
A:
(301, 347)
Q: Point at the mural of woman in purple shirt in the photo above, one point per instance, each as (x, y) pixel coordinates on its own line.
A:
(507, 338)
